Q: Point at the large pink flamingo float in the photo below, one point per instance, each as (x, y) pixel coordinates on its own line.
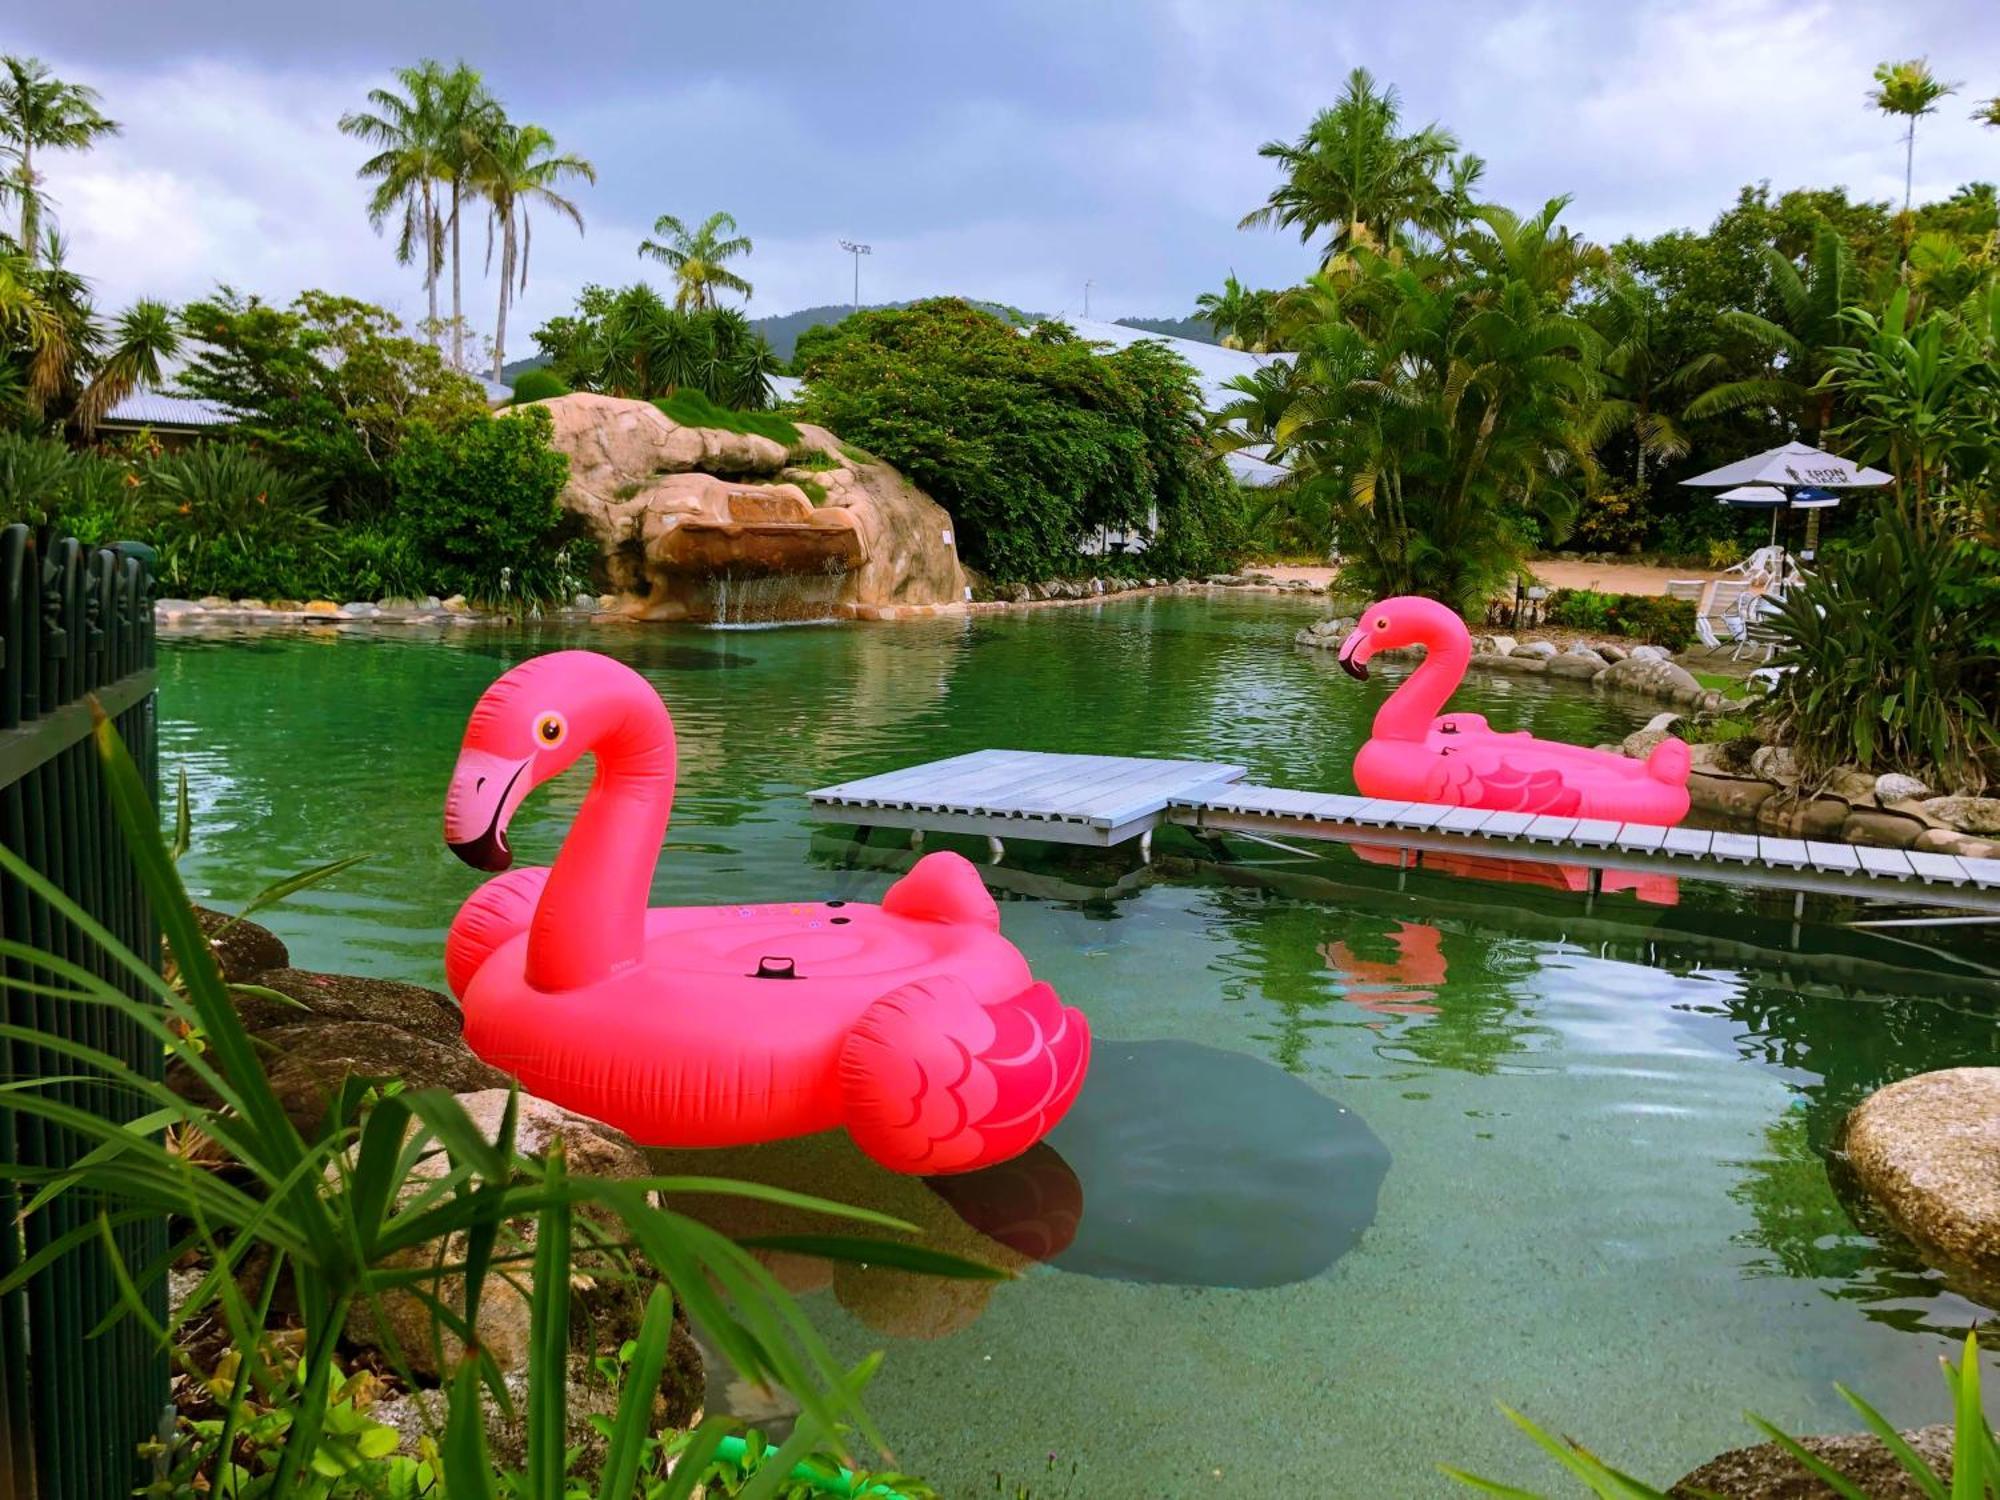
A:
(914, 1023)
(1417, 755)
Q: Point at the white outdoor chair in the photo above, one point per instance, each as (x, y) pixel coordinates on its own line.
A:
(1742, 621)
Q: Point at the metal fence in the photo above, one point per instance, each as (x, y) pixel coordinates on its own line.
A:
(75, 1403)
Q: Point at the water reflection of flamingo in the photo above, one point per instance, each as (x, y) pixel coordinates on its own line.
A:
(1404, 985)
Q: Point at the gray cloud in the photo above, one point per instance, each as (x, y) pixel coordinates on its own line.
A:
(1004, 150)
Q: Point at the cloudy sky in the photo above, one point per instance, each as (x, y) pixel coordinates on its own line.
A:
(1008, 149)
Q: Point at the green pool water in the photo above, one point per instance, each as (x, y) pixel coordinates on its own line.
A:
(1353, 1164)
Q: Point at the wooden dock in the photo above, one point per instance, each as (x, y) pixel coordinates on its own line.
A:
(1108, 800)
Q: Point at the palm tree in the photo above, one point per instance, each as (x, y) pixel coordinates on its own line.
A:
(38, 109)
(1639, 374)
(520, 169)
(468, 121)
(1353, 172)
(54, 353)
(696, 258)
(1240, 317)
(1988, 112)
(144, 337)
(406, 170)
(1796, 342)
(1911, 90)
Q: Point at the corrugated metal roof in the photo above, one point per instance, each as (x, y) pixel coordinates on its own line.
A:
(159, 409)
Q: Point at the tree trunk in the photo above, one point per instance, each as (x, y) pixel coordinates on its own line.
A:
(506, 292)
(31, 208)
(431, 263)
(457, 307)
(1909, 162)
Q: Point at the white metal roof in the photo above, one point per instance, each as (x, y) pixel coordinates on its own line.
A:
(159, 409)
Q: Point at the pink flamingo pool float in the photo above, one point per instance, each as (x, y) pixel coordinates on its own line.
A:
(1416, 755)
(915, 1024)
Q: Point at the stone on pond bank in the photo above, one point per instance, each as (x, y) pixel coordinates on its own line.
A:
(242, 949)
(1768, 1472)
(1927, 1150)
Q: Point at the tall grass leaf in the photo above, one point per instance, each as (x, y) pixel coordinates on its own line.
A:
(291, 885)
(1972, 1438)
(634, 1418)
(1921, 1473)
(548, 1336)
(777, 1467)
(1603, 1481)
(183, 819)
(1489, 1486)
(468, 1471)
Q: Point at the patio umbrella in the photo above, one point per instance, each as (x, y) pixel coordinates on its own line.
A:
(1792, 467)
(1793, 476)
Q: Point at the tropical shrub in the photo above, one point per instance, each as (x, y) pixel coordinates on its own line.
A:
(1612, 520)
(1032, 443)
(332, 1215)
(539, 384)
(1440, 406)
(1662, 621)
(224, 521)
(326, 387)
(631, 343)
(43, 482)
(478, 503)
(1893, 642)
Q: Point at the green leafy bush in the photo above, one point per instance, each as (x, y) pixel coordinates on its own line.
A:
(325, 387)
(478, 503)
(691, 408)
(1662, 621)
(539, 385)
(1893, 642)
(44, 483)
(1032, 443)
(224, 521)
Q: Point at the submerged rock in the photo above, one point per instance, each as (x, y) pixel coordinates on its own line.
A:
(348, 997)
(1768, 1472)
(242, 949)
(1652, 676)
(1927, 1150)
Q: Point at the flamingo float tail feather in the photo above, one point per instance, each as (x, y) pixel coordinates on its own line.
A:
(936, 1082)
(1670, 762)
(497, 911)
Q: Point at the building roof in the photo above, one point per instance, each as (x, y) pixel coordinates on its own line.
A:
(159, 409)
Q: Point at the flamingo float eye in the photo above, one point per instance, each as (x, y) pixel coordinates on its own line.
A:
(550, 730)
(1383, 623)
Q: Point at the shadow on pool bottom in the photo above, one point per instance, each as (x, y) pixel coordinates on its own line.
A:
(1179, 1165)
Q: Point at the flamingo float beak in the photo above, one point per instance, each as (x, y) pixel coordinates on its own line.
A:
(1355, 651)
(485, 790)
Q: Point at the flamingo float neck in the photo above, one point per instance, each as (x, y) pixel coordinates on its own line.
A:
(1410, 621)
(533, 724)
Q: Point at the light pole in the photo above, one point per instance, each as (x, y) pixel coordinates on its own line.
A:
(857, 251)
(1086, 297)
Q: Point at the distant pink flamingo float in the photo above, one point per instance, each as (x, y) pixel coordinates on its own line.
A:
(1416, 755)
(914, 1023)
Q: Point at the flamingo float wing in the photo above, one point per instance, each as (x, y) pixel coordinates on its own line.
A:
(497, 911)
(936, 1082)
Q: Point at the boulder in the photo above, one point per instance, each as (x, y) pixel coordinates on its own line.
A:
(1517, 663)
(1786, 816)
(1587, 652)
(349, 997)
(321, 607)
(1966, 814)
(1611, 651)
(1893, 786)
(1582, 668)
(307, 1061)
(242, 949)
(1640, 742)
(1927, 1150)
(698, 523)
(1768, 1472)
(359, 609)
(1670, 722)
(1653, 677)
(1543, 649)
(1951, 841)
(607, 1304)
(1776, 763)
(1650, 652)
(1728, 796)
(1880, 829)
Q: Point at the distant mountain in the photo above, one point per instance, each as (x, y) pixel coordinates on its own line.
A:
(512, 370)
(1175, 328)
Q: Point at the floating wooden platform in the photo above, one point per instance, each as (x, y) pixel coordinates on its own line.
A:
(1107, 800)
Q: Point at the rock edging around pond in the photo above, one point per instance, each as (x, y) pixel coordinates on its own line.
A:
(1743, 781)
(346, 1025)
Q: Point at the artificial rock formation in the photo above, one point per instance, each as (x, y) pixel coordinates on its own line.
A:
(698, 524)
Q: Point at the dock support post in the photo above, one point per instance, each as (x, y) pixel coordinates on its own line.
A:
(1146, 847)
(1402, 868)
(995, 850)
(1798, 917)
(1591, 889)
(917, 840)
